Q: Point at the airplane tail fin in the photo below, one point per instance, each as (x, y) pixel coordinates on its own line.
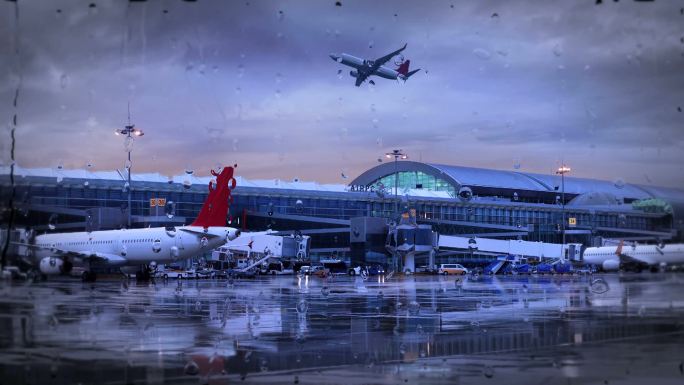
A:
(214, 211)
(403, 68)
(618, 251)
(404, 72)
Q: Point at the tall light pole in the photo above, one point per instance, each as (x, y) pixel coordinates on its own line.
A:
(396, 154)
(129, 131)
(562, 170)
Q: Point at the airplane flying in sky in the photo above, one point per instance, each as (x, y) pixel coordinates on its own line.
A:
(611, 258)
(139, 249)
(366, 68)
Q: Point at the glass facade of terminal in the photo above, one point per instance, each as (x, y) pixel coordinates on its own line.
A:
(409, 180)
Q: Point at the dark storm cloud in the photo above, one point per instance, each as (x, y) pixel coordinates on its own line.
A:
(251, 82)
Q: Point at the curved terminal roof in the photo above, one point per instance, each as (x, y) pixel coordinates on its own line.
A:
(515, 180)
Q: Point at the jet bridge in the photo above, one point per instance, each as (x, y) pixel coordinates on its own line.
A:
(538, 250)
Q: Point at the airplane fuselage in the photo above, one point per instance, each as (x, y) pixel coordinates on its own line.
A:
(136, 246)
(652, 255)
(365, 66)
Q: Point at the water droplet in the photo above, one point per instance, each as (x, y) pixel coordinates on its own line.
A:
(619, 183)
(127, 164)
(302, 306)
(475, 324)
(263, 365)
(488, 371)
(599, 286)
(281, 15)
(125, 187)
(642, 311)
(86, 184)
(370, 44)
(557, 50)
(414, 308)
(64, 81)
(52, 221)
(191, 368)
(128, 144)
(187, 184)
(170, 209)
(482, 53)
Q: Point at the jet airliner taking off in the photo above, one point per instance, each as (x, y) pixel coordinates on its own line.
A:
(140, 249)
(611, 258)
(366, 68)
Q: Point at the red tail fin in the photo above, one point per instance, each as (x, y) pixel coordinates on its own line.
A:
(215, 209)
(404, 67)
(618, 251)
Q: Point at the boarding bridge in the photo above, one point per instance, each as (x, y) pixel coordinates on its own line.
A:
(538, 250)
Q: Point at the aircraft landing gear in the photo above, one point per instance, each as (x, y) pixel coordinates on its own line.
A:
(88, 276)
(144, 274)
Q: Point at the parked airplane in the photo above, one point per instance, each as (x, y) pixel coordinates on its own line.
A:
(637, 257)
(140, 249)
(365, 68)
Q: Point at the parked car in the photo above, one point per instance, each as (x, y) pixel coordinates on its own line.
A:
(205, 273)
(452, 269)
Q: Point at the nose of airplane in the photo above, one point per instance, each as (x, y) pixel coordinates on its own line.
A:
(335, 57)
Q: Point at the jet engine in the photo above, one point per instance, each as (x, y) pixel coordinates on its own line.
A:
(354, 74)
(610, 265)
(54, 265)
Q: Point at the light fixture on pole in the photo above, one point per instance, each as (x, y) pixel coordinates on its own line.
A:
(129, 131)
(397, 154)
(562, 170)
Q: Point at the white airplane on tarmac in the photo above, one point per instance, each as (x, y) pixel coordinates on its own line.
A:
(611, 258)
(365, 68)
(140, 249)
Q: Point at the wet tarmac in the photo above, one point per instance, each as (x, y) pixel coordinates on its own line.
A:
(605, 329)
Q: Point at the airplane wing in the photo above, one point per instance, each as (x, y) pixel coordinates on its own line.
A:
(360, 79)
(85, 255)
(381, 61)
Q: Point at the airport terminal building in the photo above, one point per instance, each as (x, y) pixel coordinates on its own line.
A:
(350, 221)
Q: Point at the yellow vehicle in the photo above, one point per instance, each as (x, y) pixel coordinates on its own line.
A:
(452, 269)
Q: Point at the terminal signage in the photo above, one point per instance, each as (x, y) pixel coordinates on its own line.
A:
(161, 202)
(361, 188)
(572, 221)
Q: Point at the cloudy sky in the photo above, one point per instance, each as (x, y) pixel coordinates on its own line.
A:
(505, 85)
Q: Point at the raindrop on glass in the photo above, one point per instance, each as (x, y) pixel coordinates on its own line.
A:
(170, 209)
(619, 183)
(281, 15)
(558, 50)
(263, 365)
(128, 144)
(599, 286)
(189, 171)
(187, 184)
(127, 164)
(302, 306)
(325, 291)
(191, 368)
(482, 53)
(64, 81)
(414, 308)
(488, 371)
(52, 221)
(125, 188)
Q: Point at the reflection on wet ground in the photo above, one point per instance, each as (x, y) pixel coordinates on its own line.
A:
(304, 330)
